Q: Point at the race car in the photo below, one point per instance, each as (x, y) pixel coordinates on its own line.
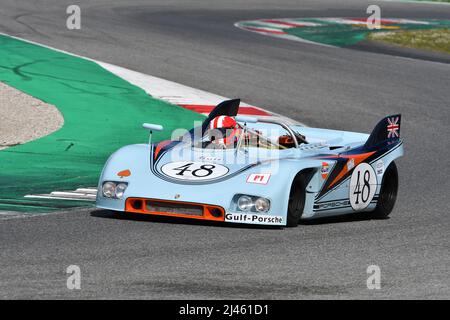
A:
(249, 170)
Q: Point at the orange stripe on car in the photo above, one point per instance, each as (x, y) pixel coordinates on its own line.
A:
(160, 145)
(357, 158)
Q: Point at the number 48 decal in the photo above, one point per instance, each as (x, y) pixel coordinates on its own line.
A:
(194, 170)
(205, 170)
(363, 184)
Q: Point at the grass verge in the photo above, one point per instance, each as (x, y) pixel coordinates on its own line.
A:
(437, 40)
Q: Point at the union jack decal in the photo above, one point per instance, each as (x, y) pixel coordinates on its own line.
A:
(393, 127)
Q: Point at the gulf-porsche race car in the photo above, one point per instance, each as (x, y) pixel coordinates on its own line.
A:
(256, 171)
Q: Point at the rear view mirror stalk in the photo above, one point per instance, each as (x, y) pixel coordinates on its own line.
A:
(152, 127)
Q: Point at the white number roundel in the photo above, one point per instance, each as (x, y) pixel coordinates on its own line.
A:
(194, 171)
(363, 185)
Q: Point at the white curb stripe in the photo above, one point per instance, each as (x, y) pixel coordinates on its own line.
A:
(49, 196)
(166, 90)
(301, 21)
(283, 36)
(402, 21)
(290, 23)
(264, 30)
(83, 194)
(341, 21)
(268, 25)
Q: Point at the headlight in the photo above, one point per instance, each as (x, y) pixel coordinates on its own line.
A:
(109, 189)
(245, 203)
(262, 205)
(120, 189)
(115, 190)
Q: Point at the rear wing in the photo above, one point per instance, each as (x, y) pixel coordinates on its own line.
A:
(387, 130)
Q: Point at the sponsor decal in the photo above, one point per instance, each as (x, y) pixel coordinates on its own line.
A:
(332, 204)
(379, 167)
(393, 127)
(363, 184)
(194, 171)
(253, 218)
(350, 164)
(258, 178)
(325, 170)
(209, 158)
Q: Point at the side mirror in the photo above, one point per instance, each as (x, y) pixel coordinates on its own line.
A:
(246, 119)
(152, 127)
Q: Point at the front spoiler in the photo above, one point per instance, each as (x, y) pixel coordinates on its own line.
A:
(171, 208)
(209, 212)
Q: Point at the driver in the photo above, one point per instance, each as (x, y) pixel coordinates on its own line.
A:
(224, 131)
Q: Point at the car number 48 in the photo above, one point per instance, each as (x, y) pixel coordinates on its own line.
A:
(363, 184)
(186, 170)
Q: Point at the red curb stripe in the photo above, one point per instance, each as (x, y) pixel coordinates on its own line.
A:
(264, 30)
(242, 110)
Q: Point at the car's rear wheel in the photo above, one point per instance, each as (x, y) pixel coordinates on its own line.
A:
(388, 193)
(296, 201)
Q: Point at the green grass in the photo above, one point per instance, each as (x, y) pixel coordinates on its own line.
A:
(432, 39)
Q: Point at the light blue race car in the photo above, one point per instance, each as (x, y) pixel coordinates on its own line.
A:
(256, 171)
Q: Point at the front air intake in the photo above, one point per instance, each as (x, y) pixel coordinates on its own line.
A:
(174, 208)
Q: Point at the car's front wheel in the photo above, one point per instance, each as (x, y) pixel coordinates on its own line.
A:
(388, 192)
(296, 201)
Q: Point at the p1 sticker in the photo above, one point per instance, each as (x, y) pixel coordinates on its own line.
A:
(258, 178)
(363, 185)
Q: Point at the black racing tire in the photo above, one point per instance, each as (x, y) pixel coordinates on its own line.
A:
(296, 202)
(388, 193)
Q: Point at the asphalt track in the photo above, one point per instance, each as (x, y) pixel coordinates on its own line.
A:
(195, 43)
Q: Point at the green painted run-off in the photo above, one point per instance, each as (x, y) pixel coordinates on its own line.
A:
(101, 111)
(336, 34)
